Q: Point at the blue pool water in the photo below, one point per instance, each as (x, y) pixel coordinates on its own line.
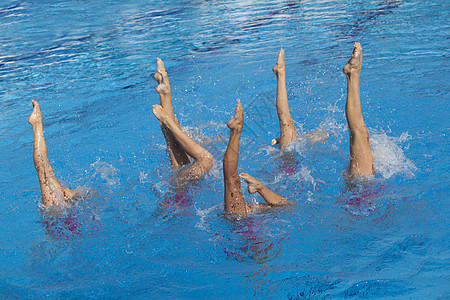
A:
(90, 65)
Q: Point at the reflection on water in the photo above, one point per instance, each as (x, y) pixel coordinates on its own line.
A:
(364, 197)
(176, 202)
(69, 223)
(247, 240)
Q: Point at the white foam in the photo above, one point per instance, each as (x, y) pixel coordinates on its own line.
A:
(389, 158)
(203, 214)
(305, 175)
(143, 177)
(162, 187)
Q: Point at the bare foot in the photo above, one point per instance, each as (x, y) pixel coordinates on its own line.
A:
(253, 184)
(160, 113)
(161, 77)
(160, 70)
(279, 68)
(237, 122)
(275, 141)
(354, 64)
(36, 116)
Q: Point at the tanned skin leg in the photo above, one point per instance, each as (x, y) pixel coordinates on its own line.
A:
(287, 129)
(234, 200)
(361, 160)
(203, 159)
(272, 199)
(52, 191)
(177, 154)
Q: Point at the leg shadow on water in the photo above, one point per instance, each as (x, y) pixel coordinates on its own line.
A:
(68, 222)
(249, 242)
(173, 204)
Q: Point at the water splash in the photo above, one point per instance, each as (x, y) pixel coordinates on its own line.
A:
(204, 216)
(107, 172)
(389, 158)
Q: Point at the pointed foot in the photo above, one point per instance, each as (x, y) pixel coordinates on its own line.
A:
(354, 64)
(253, 184)
(160, 113)
(279, 68)
(162, 78)
(36, 116)
(160, 70)
(237, 122)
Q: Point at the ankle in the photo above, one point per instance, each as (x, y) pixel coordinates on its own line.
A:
(353, 78)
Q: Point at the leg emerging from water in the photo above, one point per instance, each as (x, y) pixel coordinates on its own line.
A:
(52, 191)
(234, 200)
(287, 129)
(177, 154)
(361, 160)
(203, 159)
(272, 199)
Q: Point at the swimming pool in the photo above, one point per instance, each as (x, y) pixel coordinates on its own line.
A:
(90, 64)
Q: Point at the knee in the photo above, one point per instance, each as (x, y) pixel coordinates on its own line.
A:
(360, 132)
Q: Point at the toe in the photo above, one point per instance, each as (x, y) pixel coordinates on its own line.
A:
(244, 176)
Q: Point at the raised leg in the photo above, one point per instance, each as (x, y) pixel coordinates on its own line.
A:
(287, 129)
(361, 160)
(271, 198)
(177, 154)
(52, 191)
(203, 159)
(234, 200)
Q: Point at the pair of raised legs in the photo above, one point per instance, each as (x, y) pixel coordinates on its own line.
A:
(179, 144)
(234, 200)
(361, 160)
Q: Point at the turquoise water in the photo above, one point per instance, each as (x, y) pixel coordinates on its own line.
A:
(90, 66)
